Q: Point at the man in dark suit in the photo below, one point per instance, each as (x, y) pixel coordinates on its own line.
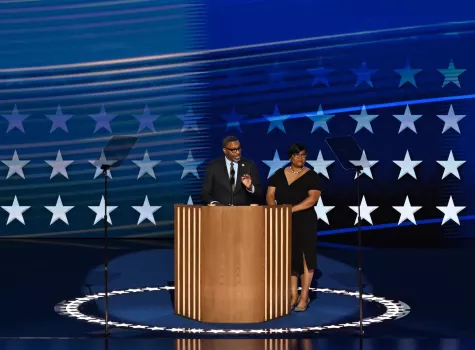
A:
(232, 179)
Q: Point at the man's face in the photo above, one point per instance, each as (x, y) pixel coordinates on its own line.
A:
(232, 151)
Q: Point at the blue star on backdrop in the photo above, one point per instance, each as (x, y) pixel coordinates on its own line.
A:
(320, 75)
(451, 74)
(407, 74)
(233, 120)
(276, 120)
(103, 120)
(15, 120)
(146, 119)
(363, 74)
(190, 120)
(59, 120)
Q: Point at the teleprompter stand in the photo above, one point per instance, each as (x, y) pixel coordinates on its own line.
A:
(348, 153)
(115, 152)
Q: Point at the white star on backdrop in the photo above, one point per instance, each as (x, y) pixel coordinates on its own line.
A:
(190, 165)
(320, 165)
(275, 164)
(146, 211)
(15, 166)
(100, 209)
(15, 211)
(451, 120)
(59, 211)
(101, 161)
(146, 165)
(364, 120)
(190, 201)
(321, 210)
(366, 164)
(365, 211)
(407, 120)
(451, 166)
(59, 165)
(407, 211)
(407, 166)
(450, 212)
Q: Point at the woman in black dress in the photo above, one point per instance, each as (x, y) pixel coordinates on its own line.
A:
(299, 186)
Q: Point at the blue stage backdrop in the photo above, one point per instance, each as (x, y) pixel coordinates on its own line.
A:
(183, 75)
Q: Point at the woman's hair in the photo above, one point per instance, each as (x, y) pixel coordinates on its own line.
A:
(296, 148)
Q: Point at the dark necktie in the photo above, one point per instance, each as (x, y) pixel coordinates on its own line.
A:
(232, 179)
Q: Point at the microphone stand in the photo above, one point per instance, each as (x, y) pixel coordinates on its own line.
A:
(358, 170)
(105, 168)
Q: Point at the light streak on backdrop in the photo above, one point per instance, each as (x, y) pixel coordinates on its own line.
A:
(186, 78)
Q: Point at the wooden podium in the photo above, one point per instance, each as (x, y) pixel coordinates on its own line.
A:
(232, 263)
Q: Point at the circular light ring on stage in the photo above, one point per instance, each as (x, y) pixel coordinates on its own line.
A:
(394, 310)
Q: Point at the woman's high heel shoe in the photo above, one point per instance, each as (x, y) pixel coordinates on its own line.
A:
(298, 309)
(296, 303)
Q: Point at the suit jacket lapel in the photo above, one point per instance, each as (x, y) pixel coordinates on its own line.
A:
(225, 173)
(239, 173)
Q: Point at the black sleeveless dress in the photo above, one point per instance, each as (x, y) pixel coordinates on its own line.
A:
(304, 223)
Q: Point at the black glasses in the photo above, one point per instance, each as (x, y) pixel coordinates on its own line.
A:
(297, 155)
(234, 150)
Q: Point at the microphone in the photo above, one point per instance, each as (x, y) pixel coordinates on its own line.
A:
(232, 181)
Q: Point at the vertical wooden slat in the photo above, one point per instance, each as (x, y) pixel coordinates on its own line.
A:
(184, 262)
(266, 299)
(199, 264)
(188, 261)
(281, 259)
(271, 255)
(195, 274)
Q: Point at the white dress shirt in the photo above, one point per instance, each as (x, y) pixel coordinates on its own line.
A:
(236, 167)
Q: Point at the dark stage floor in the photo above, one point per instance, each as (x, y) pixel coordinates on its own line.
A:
(40, 278)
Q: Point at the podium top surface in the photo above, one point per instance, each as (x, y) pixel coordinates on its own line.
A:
(230, 206)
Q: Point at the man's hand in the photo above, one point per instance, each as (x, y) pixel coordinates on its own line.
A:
(247, 181)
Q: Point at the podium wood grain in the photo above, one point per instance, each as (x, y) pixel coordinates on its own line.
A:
(232, 264)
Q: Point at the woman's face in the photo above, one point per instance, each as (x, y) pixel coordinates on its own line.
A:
(298, 159)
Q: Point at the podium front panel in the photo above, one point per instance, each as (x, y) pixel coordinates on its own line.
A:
(232, 264)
